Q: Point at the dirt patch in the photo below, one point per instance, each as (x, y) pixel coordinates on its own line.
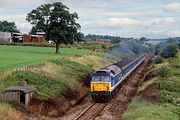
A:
(149, 94)
(150, 75)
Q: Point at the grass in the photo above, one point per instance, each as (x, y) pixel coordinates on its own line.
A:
(141, 110)
(18, 56)
(8, 113)
(169, 94)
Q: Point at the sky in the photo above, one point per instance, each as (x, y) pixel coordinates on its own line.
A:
(125, 18)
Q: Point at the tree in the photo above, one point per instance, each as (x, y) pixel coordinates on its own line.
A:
(117, 40)
(33, 31)
(143, 39)
(169, 51)
(56, 20)
(6, 26)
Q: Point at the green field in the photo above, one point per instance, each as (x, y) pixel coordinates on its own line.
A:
(18, 56)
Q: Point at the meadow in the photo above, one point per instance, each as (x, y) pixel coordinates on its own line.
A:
(18, 56)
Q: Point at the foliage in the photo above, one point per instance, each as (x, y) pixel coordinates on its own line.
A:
(169, 51)
(163, 72)
(56, 20)
(6, 26)
(103, 46)
(158, 60)
(18, 56)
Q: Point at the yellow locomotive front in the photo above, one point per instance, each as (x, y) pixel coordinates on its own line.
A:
(100, 85)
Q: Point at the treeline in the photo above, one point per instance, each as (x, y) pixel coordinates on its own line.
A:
(6, 26)
(114, 39)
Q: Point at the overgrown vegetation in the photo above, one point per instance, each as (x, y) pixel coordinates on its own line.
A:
(158, 60)
(8, 113)
(168, 84)
(169, 51)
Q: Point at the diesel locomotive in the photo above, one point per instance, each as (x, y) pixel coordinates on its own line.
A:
(106, 81)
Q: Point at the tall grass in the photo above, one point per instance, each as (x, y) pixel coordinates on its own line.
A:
(8, 113)
(141, 110)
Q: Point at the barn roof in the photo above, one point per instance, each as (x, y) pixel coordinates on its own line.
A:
(25, 89)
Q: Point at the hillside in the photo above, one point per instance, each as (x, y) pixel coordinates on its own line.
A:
(160, 94)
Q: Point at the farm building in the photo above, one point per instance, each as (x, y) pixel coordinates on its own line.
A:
(17, 37)
(20, 94)
(5, 37)
(37, 38)
(33, 38)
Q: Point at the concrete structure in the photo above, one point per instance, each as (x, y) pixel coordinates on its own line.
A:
(5, 37)
(20, 94)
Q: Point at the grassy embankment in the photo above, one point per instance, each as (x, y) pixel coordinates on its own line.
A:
(51, 74)
(168, 83)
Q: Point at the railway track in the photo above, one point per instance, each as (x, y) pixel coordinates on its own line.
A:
(91, 111)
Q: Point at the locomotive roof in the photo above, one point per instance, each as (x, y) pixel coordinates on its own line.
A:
(110, 69)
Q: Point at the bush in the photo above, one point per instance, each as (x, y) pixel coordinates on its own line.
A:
(158, 60)
(163, 72)
(103, 46)
(169, 51)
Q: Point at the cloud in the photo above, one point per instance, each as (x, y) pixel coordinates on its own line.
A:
(128, 18)
(174, 7)
(112, 23)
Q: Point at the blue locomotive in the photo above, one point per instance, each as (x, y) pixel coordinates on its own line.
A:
(105, 82)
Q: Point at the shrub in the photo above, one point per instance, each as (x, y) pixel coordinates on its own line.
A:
(103, 46)
(169, 51)
(163, 72)
(158, 60)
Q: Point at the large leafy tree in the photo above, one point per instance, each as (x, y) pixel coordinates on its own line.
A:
(56, 20)
(6, 26)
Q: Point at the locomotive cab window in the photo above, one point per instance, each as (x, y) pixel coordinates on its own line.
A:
(100, 78)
